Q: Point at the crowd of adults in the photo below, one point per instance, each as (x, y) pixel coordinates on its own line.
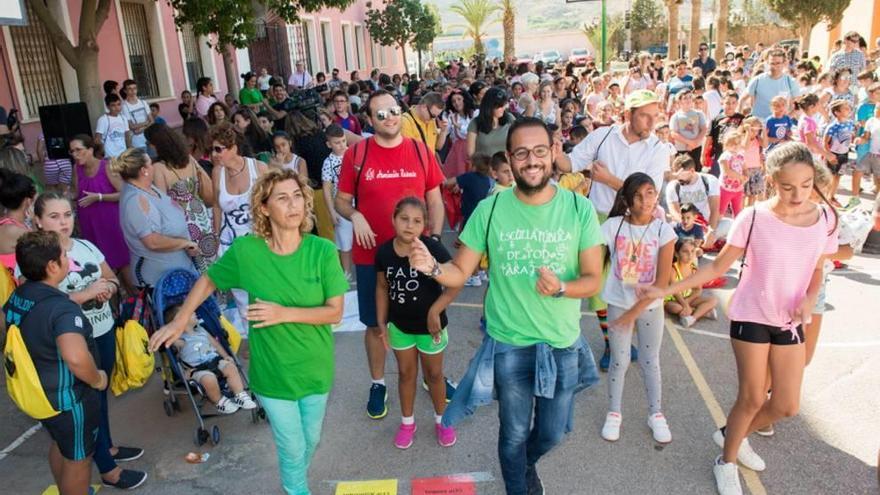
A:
(244, 190)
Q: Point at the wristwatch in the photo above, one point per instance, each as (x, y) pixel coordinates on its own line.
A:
(561, 292)
(435, 272)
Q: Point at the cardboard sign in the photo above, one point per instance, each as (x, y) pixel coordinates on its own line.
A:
(444, 485)
(372, 487)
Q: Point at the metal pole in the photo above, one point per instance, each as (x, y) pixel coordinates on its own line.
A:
(604, 38)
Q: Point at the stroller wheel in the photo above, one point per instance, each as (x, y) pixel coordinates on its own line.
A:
(201, 436)
(215, 435)
(175, 404)
(262, 413)
(169, 409)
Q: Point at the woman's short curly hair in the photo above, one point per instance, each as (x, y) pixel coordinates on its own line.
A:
(263, 189)
(224, 133)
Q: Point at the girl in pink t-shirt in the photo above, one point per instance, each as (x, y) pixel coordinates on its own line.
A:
(755, 187)
(773, 301)
(733, 177)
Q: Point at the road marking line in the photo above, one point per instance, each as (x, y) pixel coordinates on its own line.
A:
(866, 343)
(753, 482)
(20, 440)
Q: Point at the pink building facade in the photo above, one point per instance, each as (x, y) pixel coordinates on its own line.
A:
(140, 41)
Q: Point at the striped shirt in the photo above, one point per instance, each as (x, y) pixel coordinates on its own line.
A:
(780, 260)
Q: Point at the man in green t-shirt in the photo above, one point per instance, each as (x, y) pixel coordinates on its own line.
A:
(544, 249)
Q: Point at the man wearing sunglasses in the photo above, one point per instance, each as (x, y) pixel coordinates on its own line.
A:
(764, 87)
(376, 174)
(706, 63)
(423, 121)
(544, 249)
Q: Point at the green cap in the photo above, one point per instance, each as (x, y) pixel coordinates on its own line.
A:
(640, 98)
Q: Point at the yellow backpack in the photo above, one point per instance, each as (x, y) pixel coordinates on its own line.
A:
(22, 381)
(134, 361)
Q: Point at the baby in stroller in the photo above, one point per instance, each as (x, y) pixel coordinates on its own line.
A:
(199, 352)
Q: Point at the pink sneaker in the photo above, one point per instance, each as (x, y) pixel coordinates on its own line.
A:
(404, 437)
(445, 436)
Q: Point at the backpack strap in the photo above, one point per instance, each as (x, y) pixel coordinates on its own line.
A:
(705, 185)
(360, 169)
(742, 260)
(489, 223)
(418, 127)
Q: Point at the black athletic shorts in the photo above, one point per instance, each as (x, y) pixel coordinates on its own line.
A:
(758, 333)
(837, 168)
(76, 430)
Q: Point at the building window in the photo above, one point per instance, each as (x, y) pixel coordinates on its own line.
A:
(140, 49)
(298, 45)
(312, 43)
(38, 65)
(382, 61)
(192, 56)
(327, 41)
(374, 53)
(359, 44)
(346, 47)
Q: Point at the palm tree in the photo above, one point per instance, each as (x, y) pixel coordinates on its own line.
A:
(723, 12)
(476, 14)
(672, 36)
(508, 21)
(696, 34)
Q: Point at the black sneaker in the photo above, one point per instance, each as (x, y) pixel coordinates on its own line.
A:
(450, 388)
(128, 480)
(376, 406)
(125, 454)
(534, 485)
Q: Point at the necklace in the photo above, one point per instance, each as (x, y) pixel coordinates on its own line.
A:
(235, 173)
(636, 245)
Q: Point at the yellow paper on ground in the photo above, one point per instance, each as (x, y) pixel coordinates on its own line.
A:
(371, 487)
(53, 490)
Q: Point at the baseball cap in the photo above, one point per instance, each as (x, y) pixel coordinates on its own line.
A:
(640, 98)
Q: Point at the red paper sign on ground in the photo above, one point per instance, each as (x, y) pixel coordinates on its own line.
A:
(444, 485)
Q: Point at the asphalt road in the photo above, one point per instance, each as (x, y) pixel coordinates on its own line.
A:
(831, 447)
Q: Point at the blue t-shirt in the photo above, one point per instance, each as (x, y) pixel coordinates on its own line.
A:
(160, 120)
(780, 128)
(474, 188)
(696, 231)
(677, 84)
(865, 112)
(763, 88)
(841, 134)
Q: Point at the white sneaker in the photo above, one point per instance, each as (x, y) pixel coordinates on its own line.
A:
(611, 430)
(484, 275)
(687, 321)
(727, 478)
(473, 281)
(243, 399)
(712, 315)
(657, 424)
(746, 456)
(226, 406)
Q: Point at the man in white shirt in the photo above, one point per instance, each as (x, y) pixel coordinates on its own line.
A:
(613, 153)
(700, 190)
(137, 112)
(300, 79)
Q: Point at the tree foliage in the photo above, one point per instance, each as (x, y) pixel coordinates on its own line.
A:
(805, 14)
(476, 14)
(402, 23)
(647, 15)
(234, 21)
(614, 35)
(427, 27)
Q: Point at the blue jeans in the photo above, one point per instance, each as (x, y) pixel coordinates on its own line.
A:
(520, 444)
(107, 354)
(296, 426)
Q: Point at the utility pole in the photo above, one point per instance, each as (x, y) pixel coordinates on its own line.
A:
(604, 38)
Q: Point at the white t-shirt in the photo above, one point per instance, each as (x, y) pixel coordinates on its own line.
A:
(623, 159)
(85, 269)
(299, 79)
(112, 131)
(873, 126)
(634, 252)
(713, 103)
(694, 193)
(138, 113)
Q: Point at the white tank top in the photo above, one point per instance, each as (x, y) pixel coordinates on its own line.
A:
(293, 164)
(236, 208)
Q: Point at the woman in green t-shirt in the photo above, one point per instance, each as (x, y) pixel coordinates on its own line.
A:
(250, 95)
(295, 287)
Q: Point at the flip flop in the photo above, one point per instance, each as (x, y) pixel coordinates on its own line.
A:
(716, 283)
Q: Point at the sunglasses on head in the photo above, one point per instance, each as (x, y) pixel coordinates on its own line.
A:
(385, 113)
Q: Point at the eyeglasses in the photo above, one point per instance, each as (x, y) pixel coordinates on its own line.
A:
(522, 154)
(218, 149)
(340, 101)
(704, 48)
(385, 113)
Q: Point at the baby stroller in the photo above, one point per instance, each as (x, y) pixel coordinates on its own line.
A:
(172, 288)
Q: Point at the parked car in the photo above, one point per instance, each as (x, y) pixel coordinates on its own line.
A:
(523, 58)
(579, 57)
(549, 57)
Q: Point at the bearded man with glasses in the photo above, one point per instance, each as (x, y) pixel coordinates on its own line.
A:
(376, 173)
(766, 86)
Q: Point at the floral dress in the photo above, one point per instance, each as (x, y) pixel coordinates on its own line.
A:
(185, 191)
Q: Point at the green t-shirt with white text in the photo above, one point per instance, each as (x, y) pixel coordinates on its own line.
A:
(523, 238)
(291, 360)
